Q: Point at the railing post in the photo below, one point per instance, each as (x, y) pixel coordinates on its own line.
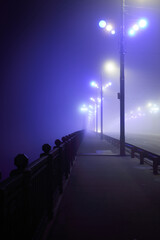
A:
(47, 148)
(27, 205)
(141, 158)
(67, 162)
(155, 166)
(132, 152)
(60, 166)
(21, 162)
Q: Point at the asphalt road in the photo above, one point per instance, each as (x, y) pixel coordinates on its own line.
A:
(148, 142)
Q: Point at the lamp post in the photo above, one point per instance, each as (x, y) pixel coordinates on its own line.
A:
(122, 84)
(141, 24)
(101, 108)
(101, 87)
(96, 112)
(84, 110)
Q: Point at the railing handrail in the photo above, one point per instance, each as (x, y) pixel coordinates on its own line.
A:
(29, 195)
(155, 158)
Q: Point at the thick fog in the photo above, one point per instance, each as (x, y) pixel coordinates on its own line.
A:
(51, 50)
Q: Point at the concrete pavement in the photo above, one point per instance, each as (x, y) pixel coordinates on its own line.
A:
(108, 197)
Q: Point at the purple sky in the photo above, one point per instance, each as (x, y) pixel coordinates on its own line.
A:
(50, 52)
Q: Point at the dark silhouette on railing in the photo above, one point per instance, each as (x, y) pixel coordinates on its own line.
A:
(29, 196)
(143, 155)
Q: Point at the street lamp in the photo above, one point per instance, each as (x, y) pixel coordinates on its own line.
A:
(101, 87)
(122, 84)
(107, 26)
(84, 110)
(141, 24)
(96, 104)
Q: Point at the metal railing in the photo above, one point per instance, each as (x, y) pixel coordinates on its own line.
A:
(29, 195)
(144, 155)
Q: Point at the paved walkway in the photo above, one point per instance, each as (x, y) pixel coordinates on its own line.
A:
(108, 197)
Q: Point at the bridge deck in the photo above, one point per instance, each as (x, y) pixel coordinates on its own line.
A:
(108, 197)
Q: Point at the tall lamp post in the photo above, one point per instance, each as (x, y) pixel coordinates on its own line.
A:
(101, 87)
(122, 84)
(141, 24)
(96, 101)
(101, 108)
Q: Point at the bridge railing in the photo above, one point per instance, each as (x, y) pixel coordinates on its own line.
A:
(144, 155)
(29, 195)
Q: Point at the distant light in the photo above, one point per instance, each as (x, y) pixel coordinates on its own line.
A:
(102, 24)
(107, 85)
(154, 109)
(90, 106)
(149, 105)
(109, 27)
(139, 109)
(142, 23)
(90, 112)
(99, 100)
(109, 67)
(84, 109)
(131, 32)
(92, 99)
(135, 27)
(113, 32)
(94, 84)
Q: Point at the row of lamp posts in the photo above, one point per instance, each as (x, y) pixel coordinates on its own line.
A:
(141, 24)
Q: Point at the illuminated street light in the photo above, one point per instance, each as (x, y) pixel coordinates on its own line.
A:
(94, 84)
(135, 27)
(92, 99)
(109, 67)
(149, 105)
(102, 88)
(113, 32)
(99, 100)
(90, 106)
(96, 112)
(102, 24)
(143, 23)
(84, 108)
(131, 32)
(109, 28)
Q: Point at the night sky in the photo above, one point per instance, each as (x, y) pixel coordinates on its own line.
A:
(51, 50)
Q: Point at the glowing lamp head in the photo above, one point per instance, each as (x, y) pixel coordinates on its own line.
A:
(102, 24)
(84, 108)
(113, 32)
(109, 67)
(90, 106)
(94, 84)
(131, 32)
(109, 28)
(99, 100)
(135, 27)
(142, 23)
(92, 99)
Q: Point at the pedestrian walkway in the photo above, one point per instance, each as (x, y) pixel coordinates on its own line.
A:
(108, 197)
